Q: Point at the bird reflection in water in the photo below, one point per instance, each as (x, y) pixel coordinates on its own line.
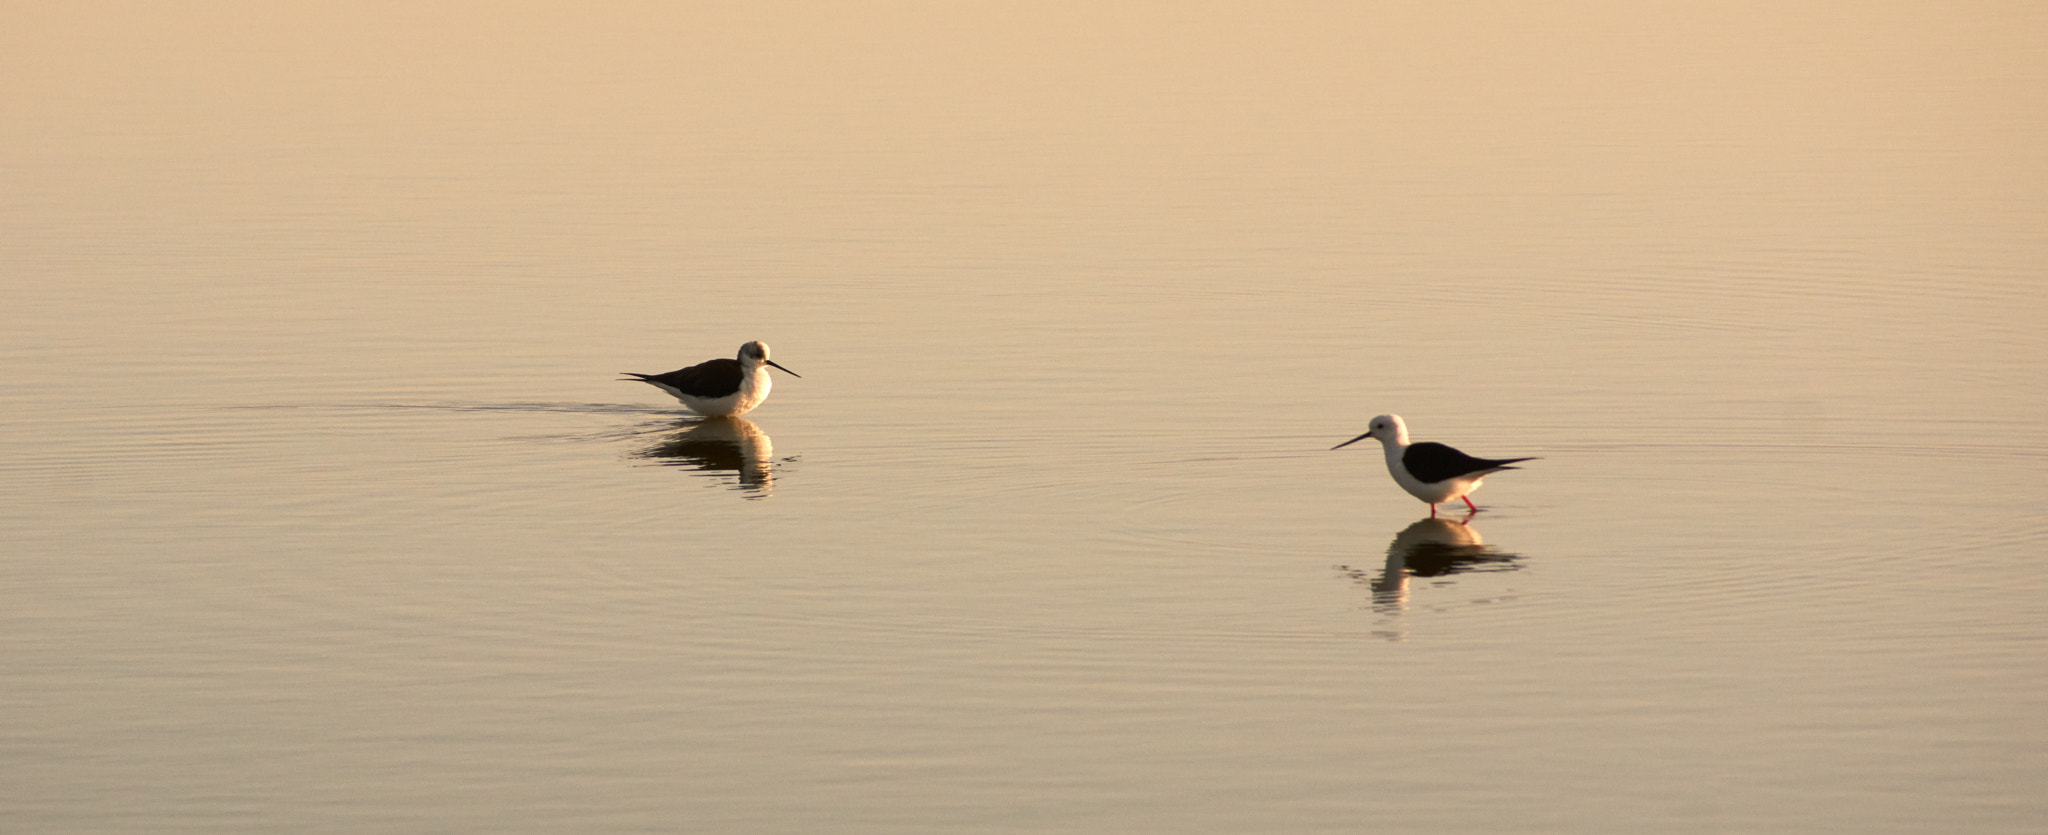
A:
(1430, 548)
(722, 445)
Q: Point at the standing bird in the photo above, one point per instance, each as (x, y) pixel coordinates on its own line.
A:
(719, 388)
(1429, 470)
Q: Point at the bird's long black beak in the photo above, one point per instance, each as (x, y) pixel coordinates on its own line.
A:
(784, 370)
(1352, 441)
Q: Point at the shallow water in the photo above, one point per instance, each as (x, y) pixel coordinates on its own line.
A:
(324, 510)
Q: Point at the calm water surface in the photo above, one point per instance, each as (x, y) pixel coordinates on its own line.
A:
(321, 508)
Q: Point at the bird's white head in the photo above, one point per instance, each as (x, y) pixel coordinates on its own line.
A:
(753, 355)
(1389, 430)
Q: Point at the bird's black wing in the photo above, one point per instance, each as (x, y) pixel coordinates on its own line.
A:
(715, 378)
(1431, 462)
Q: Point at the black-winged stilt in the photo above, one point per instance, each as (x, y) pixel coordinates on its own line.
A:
(721, 387)
(1429, 470)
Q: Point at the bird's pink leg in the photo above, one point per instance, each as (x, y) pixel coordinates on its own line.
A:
(1432, 511)
(1468, 503)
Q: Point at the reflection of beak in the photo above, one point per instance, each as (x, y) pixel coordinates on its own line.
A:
(1352, 441)
(785, 370)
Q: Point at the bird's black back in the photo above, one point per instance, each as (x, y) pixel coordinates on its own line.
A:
(710, 379)
(1432, 462)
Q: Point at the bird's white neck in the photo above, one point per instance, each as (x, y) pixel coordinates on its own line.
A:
(1395, 446)
(1396, 442)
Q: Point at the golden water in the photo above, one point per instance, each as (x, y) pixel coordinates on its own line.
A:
(322, 509)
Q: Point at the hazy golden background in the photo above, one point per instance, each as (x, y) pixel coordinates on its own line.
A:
(321, 507)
